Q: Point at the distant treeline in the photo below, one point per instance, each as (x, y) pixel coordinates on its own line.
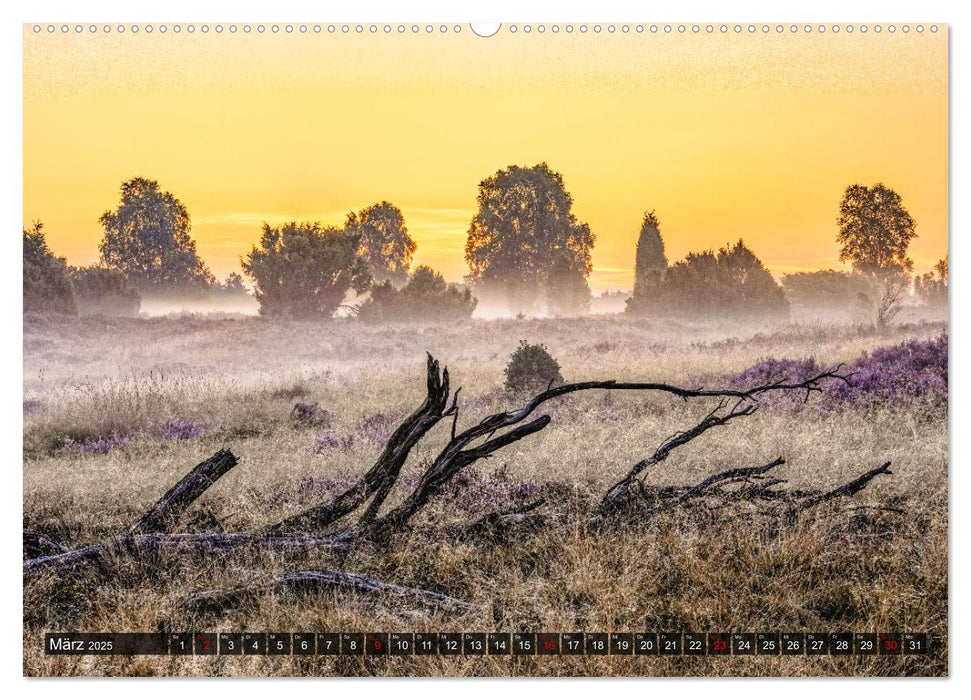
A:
(524, 246)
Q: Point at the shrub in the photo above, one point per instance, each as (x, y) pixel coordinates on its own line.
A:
(104, 291)
(233, 286)
(830, 291)
(47, 285)
(531, 368)
(305, 270)
(731, 282)
(426, 297)
(567, 291)
(931, 288)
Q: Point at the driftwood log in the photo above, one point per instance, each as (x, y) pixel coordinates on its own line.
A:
(320, 527)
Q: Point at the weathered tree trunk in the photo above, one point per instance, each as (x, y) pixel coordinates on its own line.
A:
(382, 476)
(317, 581)
(169, 509)
(36, 545)
(154, 544)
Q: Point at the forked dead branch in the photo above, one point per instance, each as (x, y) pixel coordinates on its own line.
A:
(328, 525)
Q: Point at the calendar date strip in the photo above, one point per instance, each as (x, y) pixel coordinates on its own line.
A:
(490, 643)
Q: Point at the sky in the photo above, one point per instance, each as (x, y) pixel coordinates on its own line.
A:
(751, 136)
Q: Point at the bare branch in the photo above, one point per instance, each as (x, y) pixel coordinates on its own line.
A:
(847, 489)
(729, 475)
(617, 494)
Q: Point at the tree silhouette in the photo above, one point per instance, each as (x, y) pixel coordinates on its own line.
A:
(875, 231)
(232, 286)
(385, 242)
(523, 223)
(104, 291)
(650, 264)
(731, 283)
(304, 270)
(47, 284)
(567, 291)
(830, 291)
(147, 238)
(426, 297)
(932, 287)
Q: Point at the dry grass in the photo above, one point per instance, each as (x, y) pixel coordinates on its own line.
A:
(839, 569)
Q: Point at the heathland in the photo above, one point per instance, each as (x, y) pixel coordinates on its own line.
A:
(118, 410)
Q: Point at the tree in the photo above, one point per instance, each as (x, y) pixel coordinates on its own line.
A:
(104, 291)
(650, 264)
(932, 287)
(385, 242)
(830, 291)
(147, 238)
(304, 270)
(875, 231)
(233, 286)
(47, 285)
(524, 221)
(730, 283)
(426, 297)
(567, 291)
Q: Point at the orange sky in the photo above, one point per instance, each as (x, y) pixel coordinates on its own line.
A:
(725, 136)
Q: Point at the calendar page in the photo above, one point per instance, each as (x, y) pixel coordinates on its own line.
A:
(518, 349)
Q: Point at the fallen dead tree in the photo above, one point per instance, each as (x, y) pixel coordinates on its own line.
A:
(327, 526)
(315, 582)
(169, 509)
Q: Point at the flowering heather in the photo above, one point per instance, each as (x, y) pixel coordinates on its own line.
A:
(332, 441)
(472, 489)
(180, 429)
(770, 369)
(377, 427)
(913, 369)
(323, 488)
(95, 446)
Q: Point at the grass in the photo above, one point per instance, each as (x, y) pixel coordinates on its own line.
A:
(843, 567)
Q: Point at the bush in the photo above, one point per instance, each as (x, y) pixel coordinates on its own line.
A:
(305, 270)
(532, 368)
(232, 287)
(830, 291)
(104, 291)
(731, 283)
(567, 291)
(426, 297)
(47, 285)
(931, 288)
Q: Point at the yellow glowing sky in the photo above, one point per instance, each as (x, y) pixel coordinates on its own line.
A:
(751, 136)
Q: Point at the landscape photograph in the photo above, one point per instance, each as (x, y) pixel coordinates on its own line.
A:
(403, 350)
